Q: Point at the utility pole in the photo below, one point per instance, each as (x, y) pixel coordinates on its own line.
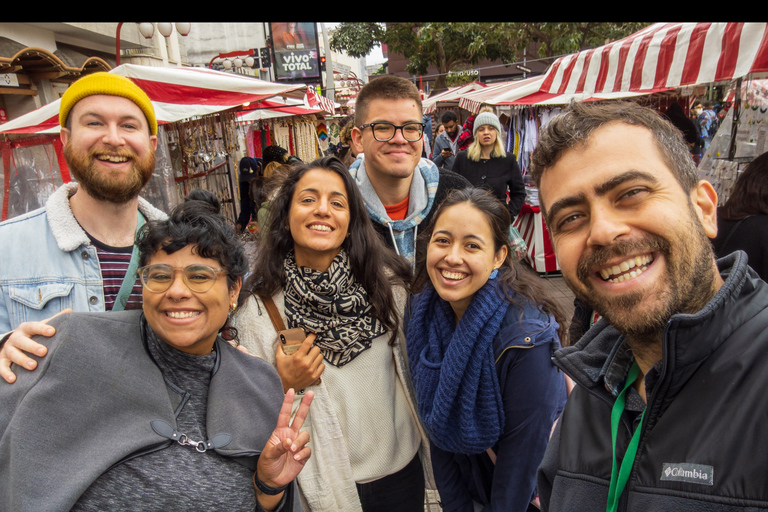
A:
(329, 87)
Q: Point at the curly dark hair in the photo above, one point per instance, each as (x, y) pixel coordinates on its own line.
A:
(375, 266)
(197, 222)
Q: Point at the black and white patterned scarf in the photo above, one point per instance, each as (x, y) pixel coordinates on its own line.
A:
(334, 306)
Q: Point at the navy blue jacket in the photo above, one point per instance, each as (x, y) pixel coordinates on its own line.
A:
(533, 393)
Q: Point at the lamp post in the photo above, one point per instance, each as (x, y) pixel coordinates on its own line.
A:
(148, 31)
(235, 59)
(347, 84)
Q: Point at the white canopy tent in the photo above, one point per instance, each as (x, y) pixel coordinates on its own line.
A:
(176, 94)
(449, 98)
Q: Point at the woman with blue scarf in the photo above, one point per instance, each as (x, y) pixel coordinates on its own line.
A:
(480, 337)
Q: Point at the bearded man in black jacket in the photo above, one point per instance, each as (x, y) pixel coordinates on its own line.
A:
(667, 412)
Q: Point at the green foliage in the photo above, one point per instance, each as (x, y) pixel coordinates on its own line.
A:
(459, 46)
(454, 79)
(557, 39)
(357, 39)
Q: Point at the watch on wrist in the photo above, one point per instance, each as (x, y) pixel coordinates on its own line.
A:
(5, 337)
(266, 489)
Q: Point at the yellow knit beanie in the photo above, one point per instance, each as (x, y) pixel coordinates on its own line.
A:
(110, 84)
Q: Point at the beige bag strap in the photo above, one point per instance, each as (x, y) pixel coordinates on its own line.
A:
(274, 315)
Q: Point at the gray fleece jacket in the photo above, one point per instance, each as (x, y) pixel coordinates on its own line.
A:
(98, 398)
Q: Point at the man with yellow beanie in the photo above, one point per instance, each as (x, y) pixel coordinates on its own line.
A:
(77, 251)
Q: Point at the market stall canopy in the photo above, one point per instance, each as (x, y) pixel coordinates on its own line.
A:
(271, 109)
(177, 93)
(500, 93)
(449, 98)
(661, 57)
(314, 100)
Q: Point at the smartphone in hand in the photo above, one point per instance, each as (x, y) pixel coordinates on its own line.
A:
(291, 339)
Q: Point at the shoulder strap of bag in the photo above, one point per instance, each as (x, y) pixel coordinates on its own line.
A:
(274, 315)
(129, 279)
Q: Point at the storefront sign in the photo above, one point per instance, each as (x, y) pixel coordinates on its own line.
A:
(296, 51)
(9, 80)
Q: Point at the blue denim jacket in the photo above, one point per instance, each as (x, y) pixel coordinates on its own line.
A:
(48, 263)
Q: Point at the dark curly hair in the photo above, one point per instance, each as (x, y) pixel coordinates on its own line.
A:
(750, 192)
(573, 128)
(197, 222)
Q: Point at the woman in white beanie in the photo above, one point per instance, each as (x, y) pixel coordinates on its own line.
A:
(486, 164)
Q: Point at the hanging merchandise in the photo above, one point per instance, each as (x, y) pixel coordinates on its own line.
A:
(299, 136)
(729, 152)
(322, 131)
(202, 158)
(282, 130)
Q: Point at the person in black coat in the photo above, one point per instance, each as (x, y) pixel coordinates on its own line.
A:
(250, 169)
(691, 131)
(742, 222)
(486, 164)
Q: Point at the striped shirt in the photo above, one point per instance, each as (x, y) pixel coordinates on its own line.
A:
(114, 263)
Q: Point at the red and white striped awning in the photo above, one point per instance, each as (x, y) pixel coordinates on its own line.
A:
(663, 56)
(315, 100)
(501, 93)
(177, 93)
(451, 97)
(271, 109)
(527, 92)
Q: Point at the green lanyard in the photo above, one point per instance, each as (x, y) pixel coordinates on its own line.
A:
(130, 275)
(619, 476)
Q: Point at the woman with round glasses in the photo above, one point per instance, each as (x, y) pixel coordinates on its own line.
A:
(323, 269)
(152, 409)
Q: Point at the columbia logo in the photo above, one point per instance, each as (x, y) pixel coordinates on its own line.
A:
(687, 472)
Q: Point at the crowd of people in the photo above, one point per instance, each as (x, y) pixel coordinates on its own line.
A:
(384, 350)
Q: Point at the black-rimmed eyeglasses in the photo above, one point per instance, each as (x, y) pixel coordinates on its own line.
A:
(159, 277)
(384, 131)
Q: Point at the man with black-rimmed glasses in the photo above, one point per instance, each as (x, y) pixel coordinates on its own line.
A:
(401, 189)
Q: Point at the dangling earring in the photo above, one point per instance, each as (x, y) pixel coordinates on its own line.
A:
(232, 307)
(494, 274)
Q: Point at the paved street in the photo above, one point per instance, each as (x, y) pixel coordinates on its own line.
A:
(560, 292)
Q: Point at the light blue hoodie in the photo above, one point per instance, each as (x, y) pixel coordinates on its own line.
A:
(422, 196)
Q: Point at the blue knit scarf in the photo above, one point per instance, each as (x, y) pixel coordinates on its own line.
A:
(453, 370)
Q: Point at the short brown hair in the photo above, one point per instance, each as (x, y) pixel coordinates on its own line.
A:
(574, 127)
(387, 87)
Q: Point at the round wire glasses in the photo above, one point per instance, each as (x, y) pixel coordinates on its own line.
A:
(158, 278)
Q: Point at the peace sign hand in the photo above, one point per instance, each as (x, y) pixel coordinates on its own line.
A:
(286, 451)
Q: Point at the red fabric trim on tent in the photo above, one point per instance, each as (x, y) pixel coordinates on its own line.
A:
(58, 147)
(663, 56)
(189, 95)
